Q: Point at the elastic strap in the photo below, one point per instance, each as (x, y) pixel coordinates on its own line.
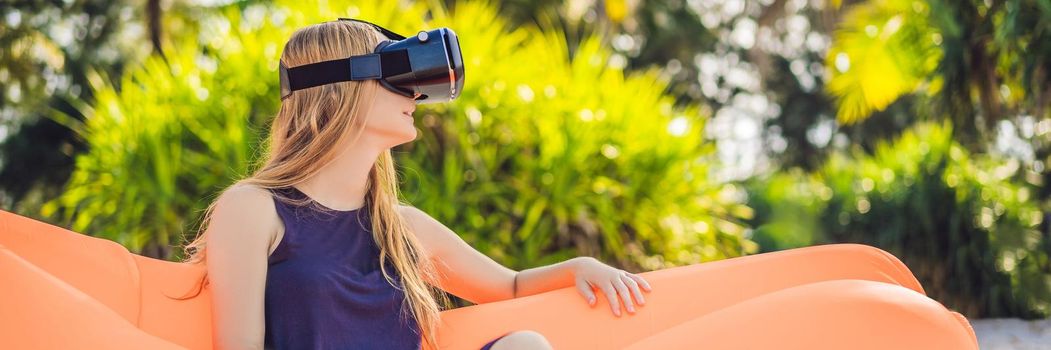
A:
(363, 67)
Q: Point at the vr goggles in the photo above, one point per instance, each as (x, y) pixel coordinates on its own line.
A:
(427, 67)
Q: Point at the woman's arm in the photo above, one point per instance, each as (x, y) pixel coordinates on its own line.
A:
(242, 227)
(544, 278)
(471, 275)
(462, 270)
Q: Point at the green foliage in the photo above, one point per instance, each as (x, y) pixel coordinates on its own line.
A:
(45, 48)
(962, 223)
(543, 157)
(177, 130)
(984, 61)
(557, 157)
(884, 49)
(788, 205)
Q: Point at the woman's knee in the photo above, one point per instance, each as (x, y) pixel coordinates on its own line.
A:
(524, 339)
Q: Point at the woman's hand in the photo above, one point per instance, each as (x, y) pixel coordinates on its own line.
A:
(617, 284)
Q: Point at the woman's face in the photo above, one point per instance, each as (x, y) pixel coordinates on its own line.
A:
(389, 121)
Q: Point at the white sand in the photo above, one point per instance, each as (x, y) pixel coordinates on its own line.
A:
(1013, 334)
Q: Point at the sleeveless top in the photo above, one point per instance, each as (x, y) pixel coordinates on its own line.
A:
(324, 287)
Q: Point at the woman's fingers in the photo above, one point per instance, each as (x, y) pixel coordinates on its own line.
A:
(611, 297)
(625, 295)
(641, 281)
(585, 290)
(618, 286)
(634, 287)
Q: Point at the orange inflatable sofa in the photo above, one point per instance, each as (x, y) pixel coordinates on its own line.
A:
(65, 290)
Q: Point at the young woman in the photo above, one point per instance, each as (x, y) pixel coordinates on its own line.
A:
(314, 249)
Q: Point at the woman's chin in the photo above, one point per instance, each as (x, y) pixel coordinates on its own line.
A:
(407, 137)
(412, 132)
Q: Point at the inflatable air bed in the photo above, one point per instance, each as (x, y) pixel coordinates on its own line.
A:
(65, 290)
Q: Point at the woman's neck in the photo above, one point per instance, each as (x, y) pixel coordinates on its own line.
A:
(341, 184)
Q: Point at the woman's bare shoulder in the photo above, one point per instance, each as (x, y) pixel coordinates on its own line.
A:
(247, 212)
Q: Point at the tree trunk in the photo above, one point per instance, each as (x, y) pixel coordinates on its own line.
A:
(153, 18)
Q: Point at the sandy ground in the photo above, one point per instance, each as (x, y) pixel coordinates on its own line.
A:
(1009, 333)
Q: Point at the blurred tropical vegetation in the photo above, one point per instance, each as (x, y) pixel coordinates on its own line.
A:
(646, 133)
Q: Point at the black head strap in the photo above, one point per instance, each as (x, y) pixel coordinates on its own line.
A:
(363, 67)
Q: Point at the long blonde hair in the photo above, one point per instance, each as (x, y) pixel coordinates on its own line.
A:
(310, 128)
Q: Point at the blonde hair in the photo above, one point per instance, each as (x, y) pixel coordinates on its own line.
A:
(310, 128)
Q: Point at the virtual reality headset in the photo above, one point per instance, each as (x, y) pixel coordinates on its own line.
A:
(427, 67)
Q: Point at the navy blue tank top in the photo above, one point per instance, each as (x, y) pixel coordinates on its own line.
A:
(324, 287)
